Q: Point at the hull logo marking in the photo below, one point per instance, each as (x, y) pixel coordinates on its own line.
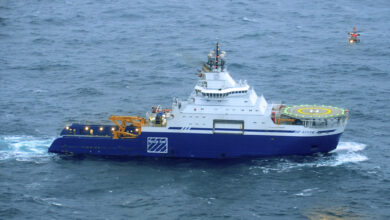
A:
(157, 145)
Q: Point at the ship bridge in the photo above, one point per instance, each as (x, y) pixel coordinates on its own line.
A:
(217, 88)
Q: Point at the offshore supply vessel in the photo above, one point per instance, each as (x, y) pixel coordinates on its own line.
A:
(222, 118)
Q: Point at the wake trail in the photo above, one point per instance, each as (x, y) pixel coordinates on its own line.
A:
(24, 148)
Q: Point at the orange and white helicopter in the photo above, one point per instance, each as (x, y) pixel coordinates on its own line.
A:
(353, 36)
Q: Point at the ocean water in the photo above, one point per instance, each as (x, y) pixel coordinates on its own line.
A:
(71, 61)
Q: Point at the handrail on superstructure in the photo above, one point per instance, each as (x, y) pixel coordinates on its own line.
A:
(136, 121)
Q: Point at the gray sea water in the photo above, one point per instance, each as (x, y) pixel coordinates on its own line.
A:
(70, 61)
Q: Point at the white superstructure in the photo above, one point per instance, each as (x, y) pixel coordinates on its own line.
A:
(221, 104)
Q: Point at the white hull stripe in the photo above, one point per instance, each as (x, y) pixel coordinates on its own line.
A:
(247, 130)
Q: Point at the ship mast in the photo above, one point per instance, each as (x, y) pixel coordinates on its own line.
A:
(216, 56)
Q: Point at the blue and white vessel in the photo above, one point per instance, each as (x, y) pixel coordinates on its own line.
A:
(222, 118)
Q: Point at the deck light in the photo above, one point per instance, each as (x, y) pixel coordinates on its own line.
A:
(86, 128)
(101, 129)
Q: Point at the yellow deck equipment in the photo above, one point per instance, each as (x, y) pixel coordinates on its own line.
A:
(121, 121)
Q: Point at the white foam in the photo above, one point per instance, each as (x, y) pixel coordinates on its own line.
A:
(345, 153)
(249, 19)
(349, 146)
(348, 152)
(56, 204)
(348, 158)
(306, 192)
(23, 148)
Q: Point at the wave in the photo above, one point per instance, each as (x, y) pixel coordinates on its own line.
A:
(3, 21)
(88, 92)
(345, 153)
(307, 192)
(248, 19)
(349, 147)
(24, 148)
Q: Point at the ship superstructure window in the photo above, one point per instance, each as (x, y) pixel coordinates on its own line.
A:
(220, 94)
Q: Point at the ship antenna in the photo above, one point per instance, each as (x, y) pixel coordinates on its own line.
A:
(216, 56)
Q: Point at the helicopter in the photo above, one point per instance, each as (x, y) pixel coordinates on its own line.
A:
(353, 36)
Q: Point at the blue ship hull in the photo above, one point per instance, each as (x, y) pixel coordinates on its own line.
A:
(190, 145)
